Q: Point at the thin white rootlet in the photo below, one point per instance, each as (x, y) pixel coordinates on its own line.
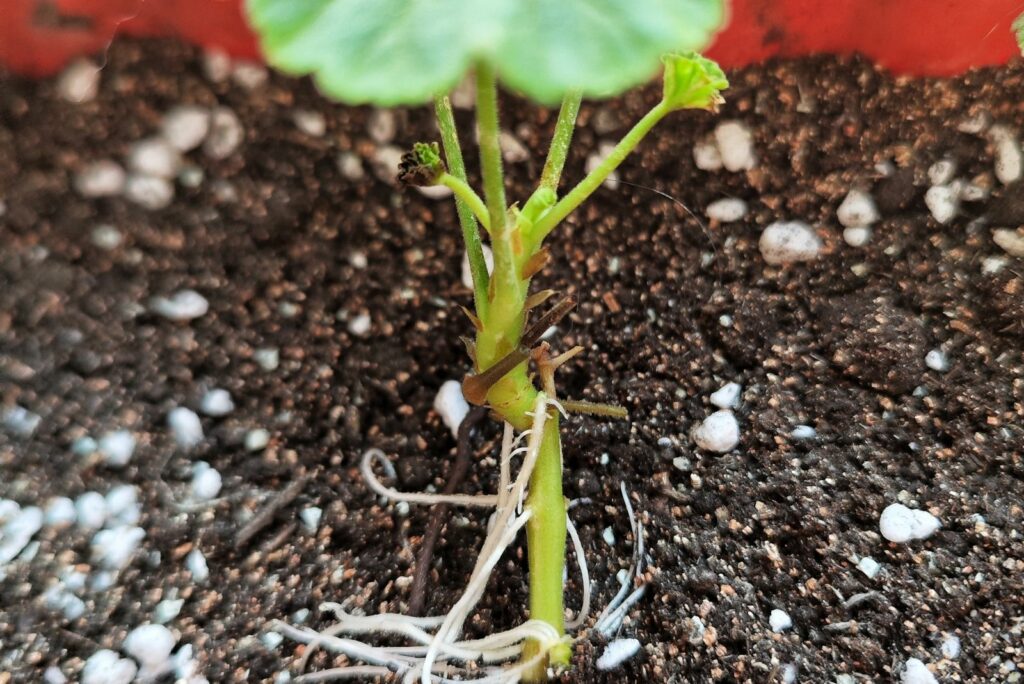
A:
(436, 653)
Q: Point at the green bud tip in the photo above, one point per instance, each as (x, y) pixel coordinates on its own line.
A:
(693, 82)
(422, 166)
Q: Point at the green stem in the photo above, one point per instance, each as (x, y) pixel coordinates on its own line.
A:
(490, 149)
(470, 234)
(594, 179)
(467, 196)
(545, 543)
(560, 140)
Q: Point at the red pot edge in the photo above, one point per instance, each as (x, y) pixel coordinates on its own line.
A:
(912, 37)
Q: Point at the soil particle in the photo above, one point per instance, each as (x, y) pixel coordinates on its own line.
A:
(874, 342)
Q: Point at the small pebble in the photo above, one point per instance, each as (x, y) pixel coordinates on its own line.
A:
(18, 531)
(617, 652)
(916, 672)
(350, 166)
(857, 209)
(382, 126)
(726, 210)
(943, 202)
(104, 178)
(151, 645)
(249, 75)
(706, 156)
(942, 172)
(594, 160)
(435, 192)
(167, 610)
(185, 127)
(901, 524)
(256, 440)
(186, 667)
(869, 566)
(359, 325)
(123, 504)
(385, 160)
(154, 157)
(60, 512)
(451, 405)
(268, 358)
(789, 673)
(271, 639)
(117, 448)
(195, 563)
(114, 548)
(106, 237)
(936, 360)
(803, 432)
(184, 305)
(977, 190)
(191, 176)
(785, 242)
(59, 598)
(736, 145)
(513, 151)
(216, 65)
(84, 446)
(311, 518)
(697, 631)
(310, 122)
(91, 510)
(225, 135)
(149, 192)
(858, 236)
(719, 432)
(951, 647)
(206, 482)
(53, 675)
(682, 463)
(1009, 163)
(80, 82)
(779, 620)
(609, 536)
(467, 273)
(1011, 241)
(217, 403)
(185, 427)
(727, 396)
(107, 667)
(19, 421)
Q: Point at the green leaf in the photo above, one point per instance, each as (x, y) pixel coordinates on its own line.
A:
(1018, 29)
(405, 51)
(693, 82)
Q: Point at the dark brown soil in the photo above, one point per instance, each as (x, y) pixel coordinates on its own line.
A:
(838, 344)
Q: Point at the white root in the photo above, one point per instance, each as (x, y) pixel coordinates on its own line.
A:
(581, 560)
(436, 654)
(376, 455)
(610, 620)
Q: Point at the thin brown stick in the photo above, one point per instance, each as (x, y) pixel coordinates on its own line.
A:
(463, 451)
(269, 512)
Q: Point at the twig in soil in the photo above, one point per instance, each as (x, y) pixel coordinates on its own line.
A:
(268, 512)
(463, 451)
